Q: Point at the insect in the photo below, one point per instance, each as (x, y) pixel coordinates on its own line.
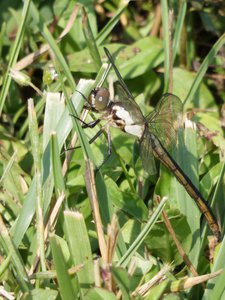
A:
(155, 132)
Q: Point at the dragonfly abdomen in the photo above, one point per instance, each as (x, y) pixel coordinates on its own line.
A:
(202, 204)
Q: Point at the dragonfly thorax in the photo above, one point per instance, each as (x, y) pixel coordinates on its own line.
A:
(123, 119)
(99, 99)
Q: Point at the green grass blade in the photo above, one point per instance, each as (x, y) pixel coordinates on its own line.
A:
(107, 29)
(100, 294)
(165, 21)
(14, 54)
(17, 262)
(65, 283)
(54, 108)
(56, 166)
(2, 34)
(76, 124)
(35, 148)
(8, 167)
(217, 291)
(22, 222)
(217, 283)
(80, 249)
(179, 26)
(123, 281)
(54, 47)
(203, 68)
(140, 238)
(188, 152)
(220, 189)
(53, 112)
(90, 40)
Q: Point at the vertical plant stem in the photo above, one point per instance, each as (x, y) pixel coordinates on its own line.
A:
(183, 45)
(178, 244)
(90, 40)
(33, 127)
(165, 21)
(14, 54)
(171, 15)
(92, 193)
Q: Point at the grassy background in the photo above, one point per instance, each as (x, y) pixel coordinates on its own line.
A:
(66, 233)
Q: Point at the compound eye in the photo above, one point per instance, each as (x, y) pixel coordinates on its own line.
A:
(99, 98)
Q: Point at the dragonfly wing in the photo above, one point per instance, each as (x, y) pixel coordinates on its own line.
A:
(121, 89)
(165, 120)
(118, 74)
(127, 102)
(121, 94)
(147, 156)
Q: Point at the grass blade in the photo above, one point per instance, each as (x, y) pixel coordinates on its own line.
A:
(203, 68)
(33, 127)
(65, 283)
(165, 21)
(107, 29)
(80, 249)
(90, 40)
(17, 262)
(139, 240)
(56, 166)
(14, 54)
(53, 44)
(179, 26)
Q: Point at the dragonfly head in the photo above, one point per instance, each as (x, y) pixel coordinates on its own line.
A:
(99, 99)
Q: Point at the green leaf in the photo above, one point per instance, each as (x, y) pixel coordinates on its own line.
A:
(166, 42)
(56, 166)
(79, 245)
(52, 42)
(182, 82)
(140, 238)
(122, 279)
(99, 294)
(14, 53)
(157, 291)
(65, 282)
(130, 60)
(41, 294)
(203, 68)
(128, 202)
(161, 244)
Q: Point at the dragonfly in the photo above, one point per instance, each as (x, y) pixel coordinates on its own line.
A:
(155, 132)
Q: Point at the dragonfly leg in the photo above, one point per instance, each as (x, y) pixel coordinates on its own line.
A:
(85, 98)
(96, 135)
(92, 124)
(91, 140)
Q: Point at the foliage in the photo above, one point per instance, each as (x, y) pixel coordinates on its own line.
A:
(60, 237)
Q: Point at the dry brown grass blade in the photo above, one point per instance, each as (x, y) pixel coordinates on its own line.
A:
(187, 283)
(143, 290)
(178, 244)
(92, 193)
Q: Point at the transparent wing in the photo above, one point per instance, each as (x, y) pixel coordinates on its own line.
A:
(147, 157)
(165, 120)
(121, 89)
(121, 94)
(128, 103)
(117, 72)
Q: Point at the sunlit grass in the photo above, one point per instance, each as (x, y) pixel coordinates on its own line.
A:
(67, 231)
